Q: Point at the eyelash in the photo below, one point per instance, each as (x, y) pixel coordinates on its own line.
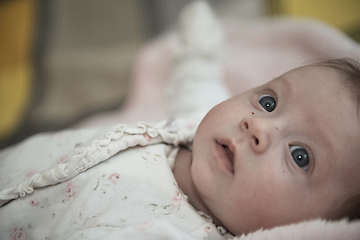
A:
(269, 90)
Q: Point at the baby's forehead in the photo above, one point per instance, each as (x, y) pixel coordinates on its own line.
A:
(324, 79)
(312, 75)
(311, 81)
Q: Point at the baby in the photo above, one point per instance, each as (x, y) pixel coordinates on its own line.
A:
(280, 153)
(277, 154)
(284, 152)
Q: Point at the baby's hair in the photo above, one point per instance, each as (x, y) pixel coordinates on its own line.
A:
(349, 71)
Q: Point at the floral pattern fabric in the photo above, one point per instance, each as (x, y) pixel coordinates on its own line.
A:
(131, 193)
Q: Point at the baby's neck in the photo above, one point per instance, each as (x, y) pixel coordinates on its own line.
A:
(182, 174)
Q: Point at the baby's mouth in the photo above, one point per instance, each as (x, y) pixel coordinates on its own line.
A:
(230, 155)
(224, 155)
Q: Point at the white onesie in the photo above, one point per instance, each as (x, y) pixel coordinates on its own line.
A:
(131, 194)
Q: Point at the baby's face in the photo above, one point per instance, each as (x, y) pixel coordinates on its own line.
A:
(280, 153)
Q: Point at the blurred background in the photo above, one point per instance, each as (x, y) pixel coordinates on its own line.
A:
(63, 60)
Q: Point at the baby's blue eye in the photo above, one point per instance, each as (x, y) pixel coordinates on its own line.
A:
(267, 102)
(300, 157)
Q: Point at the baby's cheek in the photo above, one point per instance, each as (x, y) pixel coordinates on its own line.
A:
(247, 214)
(202, 179)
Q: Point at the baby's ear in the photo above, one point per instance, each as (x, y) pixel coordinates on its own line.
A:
(199, 28)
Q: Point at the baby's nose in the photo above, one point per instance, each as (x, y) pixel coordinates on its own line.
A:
(258, 132)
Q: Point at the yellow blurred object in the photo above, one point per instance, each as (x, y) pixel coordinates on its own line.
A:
(341, 14)
(16, 36)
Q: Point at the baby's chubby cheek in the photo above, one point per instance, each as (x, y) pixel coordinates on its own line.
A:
(201, 176)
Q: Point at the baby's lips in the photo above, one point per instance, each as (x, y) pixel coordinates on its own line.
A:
(230, 149)
(230, 154)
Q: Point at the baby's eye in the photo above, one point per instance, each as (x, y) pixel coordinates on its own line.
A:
(267, 102)
(300, 157)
